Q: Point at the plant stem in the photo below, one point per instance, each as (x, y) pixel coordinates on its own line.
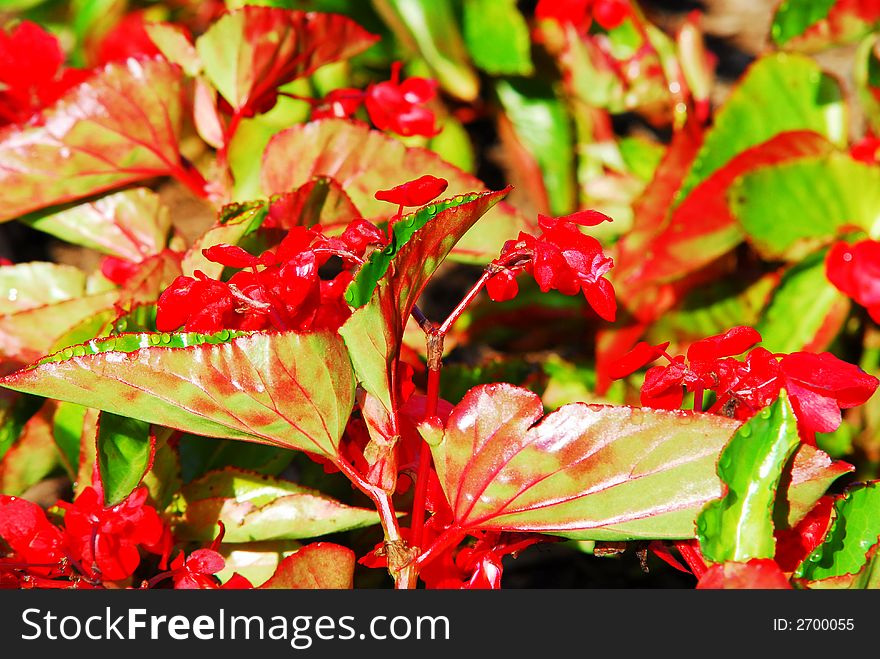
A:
(698, 399)
(192, 178)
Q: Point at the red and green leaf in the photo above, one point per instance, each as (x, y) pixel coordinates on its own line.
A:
(363, 161)
(285, 389)
(813, 25)
(249, 52)
(120, 126)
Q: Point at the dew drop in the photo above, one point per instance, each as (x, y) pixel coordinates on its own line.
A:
(223, 335)
(765, 413)
(154, 339)
(746, 431)
(67, 353)
(431, 208)
(79, 351)
(166, 337)
(122, 325)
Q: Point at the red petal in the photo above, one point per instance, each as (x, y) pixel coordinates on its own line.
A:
(642, 354)
(502, 286)
(414, 193)
(733, 342)
(205, 561)
(662, 388)
(174, 305)
(758, 573)
(231, 256)
(600, 295)
(794, 545)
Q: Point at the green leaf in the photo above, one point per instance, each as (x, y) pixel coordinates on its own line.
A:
(790, 209)
(779, 92)
(739, 526)
(199, 455)
(364, 161)
(497, 37)
(15, 412)
(430, 29)
(249, 52)
(125, 452)
(320, 565)
(255, 508)
(806, 311)
(29, 285)
(542, 124)
(131, 224)
(853, 533)
(175, 45)
(33, 456)
(120, 126)
(374, 332)
(867, 80)
(285, 389)
(67, 427)
(794, 17)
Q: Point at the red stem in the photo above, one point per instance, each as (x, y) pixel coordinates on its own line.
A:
(698, 399)
(691, 554)
(421, 491)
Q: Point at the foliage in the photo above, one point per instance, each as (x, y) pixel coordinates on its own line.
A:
(257, 400)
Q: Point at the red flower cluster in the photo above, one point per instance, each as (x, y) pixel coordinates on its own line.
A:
(580, 13)
(32, 75)
(279, 289)
(98, 543)
(128, 38)
(391, 105)
(562, 258)
(819, 384)
(855, 270)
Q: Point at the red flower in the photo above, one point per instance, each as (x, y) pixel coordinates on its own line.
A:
(400, 106)
(32, 538)
(855, 271)
(561, 258)
(580, 13)
(279, 289)
(31, 72)
(127, 38)
(339, 103)
(414, 193)
(196, 571)
(106, 541)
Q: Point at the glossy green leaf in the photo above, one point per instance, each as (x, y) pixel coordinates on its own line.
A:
(374, 332)
(199, 455)
(286, 389)
(779, 92)
(430, 29)
(125, 451)
(320, 565)
(739, 526)
(67, 425)
(249, 52)
(497, 37)
(793, 17)
(586, 471)
(255, 508)
(131, 224)
(364, 161)
(28, 285)
(787, 210)
(806, 311)
(120, 126)
(853, 533)
(541, 123)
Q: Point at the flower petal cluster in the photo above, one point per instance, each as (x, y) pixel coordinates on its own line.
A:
(561, 258)
(280, 289)
(581, 13)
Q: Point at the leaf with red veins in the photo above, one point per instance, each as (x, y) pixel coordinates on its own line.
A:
(120, 126)
(855, 271)
(844, 21)
(734, 341)
(756, 574)
(795, 544)
(249, 52)
(284, 389)
(320, 565)
(417, 192)
(821, 384)
(586, 471)
(363, 161)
